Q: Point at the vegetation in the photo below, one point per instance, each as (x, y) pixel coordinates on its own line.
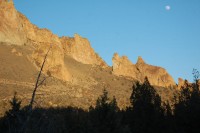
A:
(187, 110)
(147, 114)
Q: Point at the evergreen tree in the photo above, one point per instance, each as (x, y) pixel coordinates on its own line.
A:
(146, 112)
(104, 116)
(187, 110)
(13, 117)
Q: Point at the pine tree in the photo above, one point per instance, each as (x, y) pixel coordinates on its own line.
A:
(187, 109)
(146, 112)
(104, 116)
(13, 116)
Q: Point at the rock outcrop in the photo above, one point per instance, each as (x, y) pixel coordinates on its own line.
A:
(80, 49)
(122, 66)
(157, 76)
(181, 83)
(11, 30)
(66, 61)
(16, 29)
(41, 39)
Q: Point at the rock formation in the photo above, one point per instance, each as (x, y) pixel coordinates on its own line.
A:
(181, 83)
(11, 30)
(16, 29)
(122, 66)
(157, 76)
(79, 48)
(22, 50)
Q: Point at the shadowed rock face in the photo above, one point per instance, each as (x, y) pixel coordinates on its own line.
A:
(16, 29)
(157, 76)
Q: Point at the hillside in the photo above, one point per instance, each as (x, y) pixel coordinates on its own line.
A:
(76, 74)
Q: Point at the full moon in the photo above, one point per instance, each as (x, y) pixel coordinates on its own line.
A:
(167, 7)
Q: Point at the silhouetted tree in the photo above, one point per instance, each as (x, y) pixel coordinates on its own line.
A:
(187, 110)
(169, 123)
(13, 119)
(104, 117)
(146, 112)
(145, 115)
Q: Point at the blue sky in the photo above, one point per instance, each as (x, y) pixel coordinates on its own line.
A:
(167, 38)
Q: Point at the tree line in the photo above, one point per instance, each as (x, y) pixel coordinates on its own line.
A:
(147, 114)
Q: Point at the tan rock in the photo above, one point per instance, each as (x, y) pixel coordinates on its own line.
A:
(181, 83)
(11, 30)
(15, 28)
(123, 67)
(41, 39)
(54, 65)
(157, 76)
(140, 61)
(80, 49)
(14, 51)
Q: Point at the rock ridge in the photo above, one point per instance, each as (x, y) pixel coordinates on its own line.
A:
(157, 76)
(16, 29)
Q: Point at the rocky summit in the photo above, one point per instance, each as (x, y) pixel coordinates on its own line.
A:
(75, 74)
(157, 76)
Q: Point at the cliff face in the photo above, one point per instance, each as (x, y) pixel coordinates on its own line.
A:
(79, 48)
(157, 76)
(41, 39)
(122, 66)
(66, 61)
(16, 29)
(11, 30)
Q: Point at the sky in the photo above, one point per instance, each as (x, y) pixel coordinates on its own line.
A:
(165, 33)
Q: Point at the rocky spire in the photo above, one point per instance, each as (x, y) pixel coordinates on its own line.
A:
(140, 60)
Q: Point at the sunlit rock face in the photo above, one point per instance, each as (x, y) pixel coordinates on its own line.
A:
(54, 65)
(66, 61)
(157, 76)
(124, 67)
(181, 83)
(16, 29)
(11, 29)
(80, 49)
